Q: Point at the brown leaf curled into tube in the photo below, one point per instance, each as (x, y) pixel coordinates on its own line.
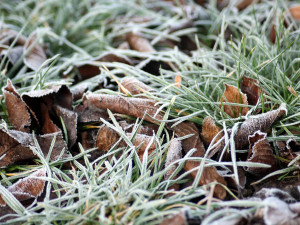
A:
(139, 43)
(233, 95)
(134, 86)
(28, 187)
(260, 122)
(174, 153)
(35, 54)
(260, 152)
(18, 114)
(209, 174)
(130, 106)
(209, 131)
(250, 87)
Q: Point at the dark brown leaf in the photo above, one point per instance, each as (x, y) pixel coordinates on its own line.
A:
(34, 54)
(18, 114)
(28, 187)
(250, 87)
(260, 122)
(48, 125)
(138, 43)
(260, 152)
(70, 120)
(15, 146)
(134, 86)
(90, 113)
(130, 106)
(174, 153)
(233, 95)
(148, 129)
(209, 131)
(209, 174)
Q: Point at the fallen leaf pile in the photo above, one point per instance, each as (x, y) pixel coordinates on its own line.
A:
(54, 121)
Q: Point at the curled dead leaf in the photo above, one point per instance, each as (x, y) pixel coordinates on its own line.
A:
(108, 137)
(174, 153)
(209, 174)
(250, 87)
(15, 146)
(260, 122)
(260, 152)
(130, 106)
(209, 131)
(18, 114)
(134, 86)
(28, 187)
(149, 129)
(233, 95)
(35, 55)
(138, 43)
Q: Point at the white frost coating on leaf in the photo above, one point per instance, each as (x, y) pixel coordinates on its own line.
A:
(23, 138)
(41, 93)
(277, 212)
(255, 133)
(29, 186)
(174, 153)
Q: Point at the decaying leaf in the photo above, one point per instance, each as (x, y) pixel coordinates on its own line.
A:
(233, 95)
(34, 54)
(130, 106)
(15, 146)
(14, 54)
(139, 43)
(290, 151)
(90, 113)
(209, 174)
(295, 12)
(41, 105)
(260, 122)
(134, 86)
(209, 131)
(28, 187)
(149, 129)
(107, 137)
(177, 219)
(260, 152)
(70, 120)
(251, 88)
(174, 153)
(18, 114)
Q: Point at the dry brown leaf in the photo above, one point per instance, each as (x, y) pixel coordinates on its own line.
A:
(174, 153)
(107, 137)
(260, 122)
(48, 125)
(233, 95)
(177, 219)
(90, 113)
(134, 86)
(130, 106)
(250, 87)
(260, 152)
(70, 120)
(18, 114)
(295, 12)
(209, 174)
(15, 146)
(209, 131)
(28, 187)
(149, 129)
(138, 43)
(35, 55)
